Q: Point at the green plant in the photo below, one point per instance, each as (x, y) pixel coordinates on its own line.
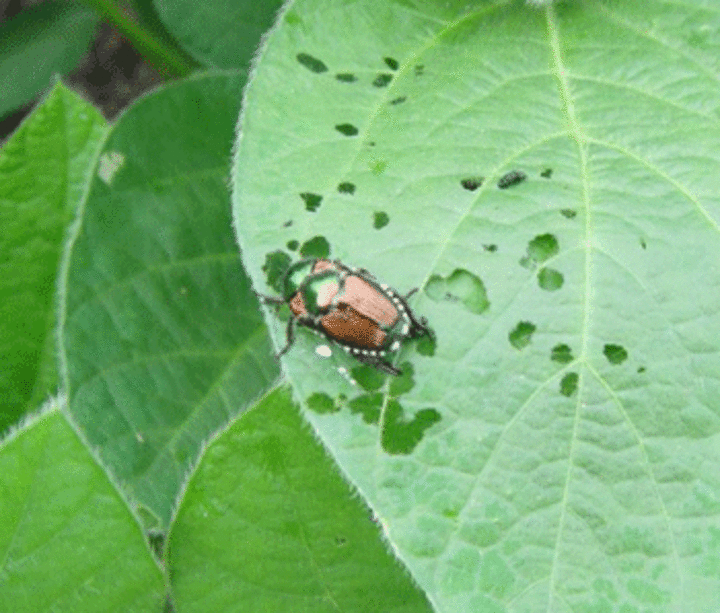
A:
(546, 175)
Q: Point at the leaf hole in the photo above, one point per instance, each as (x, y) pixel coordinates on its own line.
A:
(380, 220)
(347, 129)
(400, 436)
(312, 201)
(547, 173)
(321, 403)
(615, 354)
(392, 63)
(569, 213)
(275, 267)
(313, 64)
(472, 183)
(540, 249)
(550, 279)
(346, 77)
(382, 80)
(368, 406)
(316, 247)
(521, 336)
(561, 353)
(512, 178)
(569, 384)
(346, 188)
(460, 287)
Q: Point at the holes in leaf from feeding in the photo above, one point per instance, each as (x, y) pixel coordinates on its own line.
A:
(425, 345)
(511, 178)
(643, 244)
(288, 223)
(346, 188)
(521, 336)
(615, 354)
(569, 384)
(419, 69)
(569, 213)
(392, 63)
(368, 378)
(312, 201)
(276, 264)
(550, 279)
(321, 403)
(400, 436)
(292, 245)
(367, 405)
(540, 249)
(461, 287)
(641, 369)
(347, 129)
(382, 80)
(561, 353)
(404, 382)
(547, 173)
(490, 248)
(346, 77)
(472, 183)
(399, 100)
(380, 220)
(311, 63)
(316, 247)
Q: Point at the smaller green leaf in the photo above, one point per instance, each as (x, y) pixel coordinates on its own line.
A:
(36, 45)
(267, 524)
(69, 542)
(42, 170)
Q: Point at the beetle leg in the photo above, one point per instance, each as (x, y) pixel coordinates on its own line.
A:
(420, 328)
(378, 363)
(290, 335)
(270, 299)
(365, 273)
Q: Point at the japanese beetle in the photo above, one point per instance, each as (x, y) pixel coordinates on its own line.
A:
(349, 307)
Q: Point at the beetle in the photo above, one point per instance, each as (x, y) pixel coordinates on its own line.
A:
(350, 307)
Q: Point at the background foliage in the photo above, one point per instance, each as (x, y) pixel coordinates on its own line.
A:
(545, 175)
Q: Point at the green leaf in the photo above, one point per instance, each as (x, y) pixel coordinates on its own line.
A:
(42, 170)
(220, 33)
(583, 478)
(162, 339)
(69, 542)
(50, 38)
(274, 528)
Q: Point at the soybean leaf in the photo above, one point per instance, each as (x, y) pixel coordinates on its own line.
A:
(275, 528)
(49, 38)
(220, 33)
(549, 178)
(43, 168)
(69, 542)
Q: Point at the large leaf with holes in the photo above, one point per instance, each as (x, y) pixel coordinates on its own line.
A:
(549, 178)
